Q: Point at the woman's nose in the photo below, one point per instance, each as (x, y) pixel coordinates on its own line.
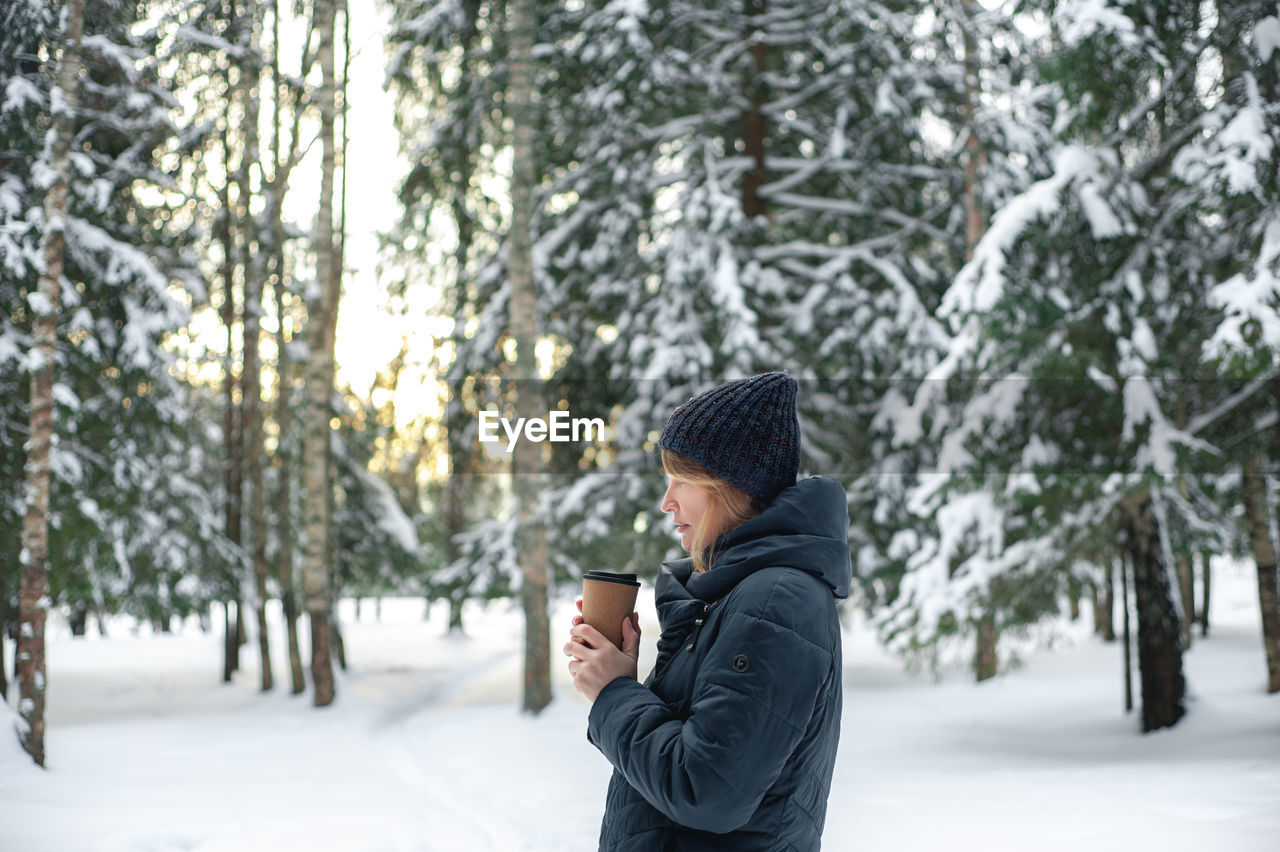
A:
(667, 504)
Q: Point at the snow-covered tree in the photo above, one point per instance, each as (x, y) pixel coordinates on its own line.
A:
(1235, 165)
(1068, 409)
(128, 504)
(745, 189)
(446, 69)
(725, 191)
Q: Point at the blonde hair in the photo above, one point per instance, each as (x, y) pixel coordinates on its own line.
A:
(729, 506)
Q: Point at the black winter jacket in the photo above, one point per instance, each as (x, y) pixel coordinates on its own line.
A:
(731, 741)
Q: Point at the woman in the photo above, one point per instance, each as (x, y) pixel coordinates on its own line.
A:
(731, 741)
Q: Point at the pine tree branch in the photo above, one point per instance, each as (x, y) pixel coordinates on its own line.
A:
(1203, 421)
(1143, 170)
(853, 208)
(1261, 424)
(1135, 116)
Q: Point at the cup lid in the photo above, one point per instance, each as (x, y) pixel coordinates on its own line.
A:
(612, 577)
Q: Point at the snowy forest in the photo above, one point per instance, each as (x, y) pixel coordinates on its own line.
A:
(1023, 257)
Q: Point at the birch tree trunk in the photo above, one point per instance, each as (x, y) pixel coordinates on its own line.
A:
(33, 592)
(531, 533)
(251, 399)
(286, 373)
(284, 455)
(1258, 519)
(1159, 628)
(231, 422)
(321, 315)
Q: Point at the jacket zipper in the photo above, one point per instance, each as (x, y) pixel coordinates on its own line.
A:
(697, 627)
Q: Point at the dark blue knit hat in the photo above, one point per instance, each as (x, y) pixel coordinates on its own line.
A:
(744, 432)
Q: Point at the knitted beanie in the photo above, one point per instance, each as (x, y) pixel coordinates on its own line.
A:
(744, 432)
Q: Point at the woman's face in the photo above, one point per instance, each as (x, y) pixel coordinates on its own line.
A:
(687, 503)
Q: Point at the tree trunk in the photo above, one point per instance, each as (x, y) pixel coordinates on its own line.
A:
(231, 422)
(1187, 592)
(975, 156)
(455, 492)
(1206, 583)
(1269, 578)
(1104, 604)
(251, 400)
(322, 313)
(984, 659)
(455, 614)
(229, 651)
(78, 618)
(33, 593)
(1182, 558)
(456, 420)
(1269, 601)
(1128, 636)
(531, 533)
(284, 456)
(4, 632)
(1258, 518)
(1159, 628)
(335, 637)
(754, 127)
(285, 373)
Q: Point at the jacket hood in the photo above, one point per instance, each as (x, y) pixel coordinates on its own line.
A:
(805, 527)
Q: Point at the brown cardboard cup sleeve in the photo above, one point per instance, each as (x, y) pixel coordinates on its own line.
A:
(607, 598)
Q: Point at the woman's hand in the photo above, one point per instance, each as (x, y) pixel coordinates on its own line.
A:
(594, 661)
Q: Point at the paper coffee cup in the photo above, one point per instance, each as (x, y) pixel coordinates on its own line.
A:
(608, 598)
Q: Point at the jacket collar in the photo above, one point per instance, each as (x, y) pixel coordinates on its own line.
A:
(805, 527)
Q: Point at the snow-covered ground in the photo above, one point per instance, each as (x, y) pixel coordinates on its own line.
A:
(426, 750)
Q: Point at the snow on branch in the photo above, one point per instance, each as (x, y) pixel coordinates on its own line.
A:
(195, 36)
(1250, 300)
(20, 92)
(980, 284)
(845, 207)
(124, 59)
(1226, 406)
(1158, 453)
(1078, 20)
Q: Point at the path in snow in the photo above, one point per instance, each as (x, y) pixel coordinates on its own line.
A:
(425, 750)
